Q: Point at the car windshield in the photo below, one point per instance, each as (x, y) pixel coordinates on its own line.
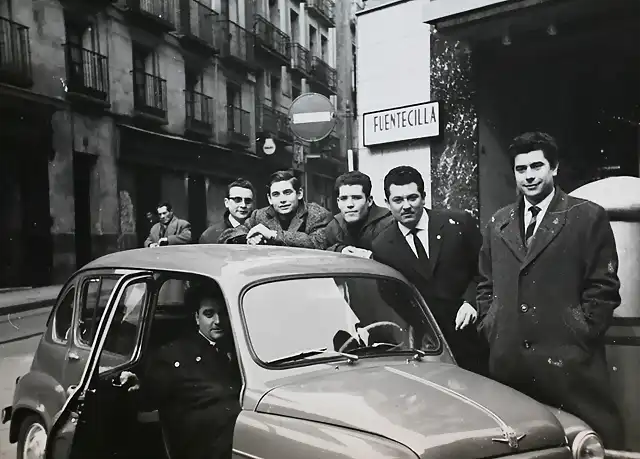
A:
(297, 320)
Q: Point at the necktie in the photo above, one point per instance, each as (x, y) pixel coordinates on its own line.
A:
(528, 235)
(163, 230)
(422, 253)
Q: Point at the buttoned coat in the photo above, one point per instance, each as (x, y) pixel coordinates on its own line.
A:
(178, 232)
(545, 311)
(447, 280)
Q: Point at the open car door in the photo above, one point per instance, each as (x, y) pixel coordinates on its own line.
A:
(94, 421)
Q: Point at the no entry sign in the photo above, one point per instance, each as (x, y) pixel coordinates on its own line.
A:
(312, 117)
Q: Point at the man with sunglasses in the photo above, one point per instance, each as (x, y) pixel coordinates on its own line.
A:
(240, 202)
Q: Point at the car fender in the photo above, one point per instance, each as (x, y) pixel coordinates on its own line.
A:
(571, 424)
(36, 392)
(267, 436)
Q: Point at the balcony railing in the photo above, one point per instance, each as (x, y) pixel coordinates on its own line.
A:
(323, 10)
(199, 111)
(272, 120)
(15, 53)
(150, 94)
(328, 148)
(238, 124)
(272, 38)
(324, 74)
(237, 42)
(300, 58)
(165, 11)
(198, 21)
(87, 72)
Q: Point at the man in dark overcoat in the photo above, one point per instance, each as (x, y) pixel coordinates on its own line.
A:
(195, 382)
(170, 230)
(547, 292)
(437, 251)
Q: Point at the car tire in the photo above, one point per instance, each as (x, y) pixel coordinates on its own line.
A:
(32, 439)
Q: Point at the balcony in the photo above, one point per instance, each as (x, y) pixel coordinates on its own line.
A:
(323, 11)
(87, 74)
(237, 44)
(197, 26)
(272, 40)
(150, 95)
(328, 149)
(199, 113)
(271, 120)
(300, 59)
(324, 75)
(15, 54)
(238, 125)
(157, 15)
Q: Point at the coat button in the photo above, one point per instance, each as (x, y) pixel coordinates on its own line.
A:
(526, 344)
(524, 307)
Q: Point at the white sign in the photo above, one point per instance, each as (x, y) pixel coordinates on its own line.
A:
(269, 146)
(418, 121)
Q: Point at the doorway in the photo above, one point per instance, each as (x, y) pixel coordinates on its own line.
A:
(197, 196)
(83, 165)
(148, 183)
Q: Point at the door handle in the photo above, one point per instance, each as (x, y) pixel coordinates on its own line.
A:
(70, 389)
(74, 355)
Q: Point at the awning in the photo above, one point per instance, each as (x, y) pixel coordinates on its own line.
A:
(478, 20)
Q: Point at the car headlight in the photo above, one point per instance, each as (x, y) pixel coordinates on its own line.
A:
(587, 445)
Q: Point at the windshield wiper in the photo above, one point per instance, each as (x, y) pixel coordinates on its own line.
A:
(310, 353)
(418, 354)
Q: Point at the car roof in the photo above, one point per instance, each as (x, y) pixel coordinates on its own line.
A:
(241, 263)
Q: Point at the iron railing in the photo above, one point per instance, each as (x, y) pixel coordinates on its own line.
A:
(272, 120)
(237, 42)
(165, 10)
(150, 93)
(324, 74)
(199, 110)
(15, 52)
(238, 123)
(300, 58)
(272, 37)
(198, 20)
(87, 72)
(323, 9)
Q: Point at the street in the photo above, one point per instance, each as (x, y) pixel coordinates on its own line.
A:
(15, 358)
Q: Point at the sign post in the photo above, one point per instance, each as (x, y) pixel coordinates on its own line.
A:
(312, 117)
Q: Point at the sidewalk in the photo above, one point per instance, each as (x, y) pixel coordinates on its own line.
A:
(19, 300)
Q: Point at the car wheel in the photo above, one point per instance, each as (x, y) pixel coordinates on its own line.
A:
(32, 440)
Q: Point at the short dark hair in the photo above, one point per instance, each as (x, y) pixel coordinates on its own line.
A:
(198, 291)
(241, 183)
(403, 175)
(283, 176)
(354, 178)
(532, 141)
(166, 204)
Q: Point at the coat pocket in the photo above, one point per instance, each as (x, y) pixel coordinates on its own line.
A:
(576, 325)
(487, 326)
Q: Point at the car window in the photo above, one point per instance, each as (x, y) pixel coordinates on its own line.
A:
(63, 317)
(94, 294)
(290, 316)
(122, 336)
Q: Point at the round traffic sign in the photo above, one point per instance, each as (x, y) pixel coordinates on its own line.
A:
(312, 117)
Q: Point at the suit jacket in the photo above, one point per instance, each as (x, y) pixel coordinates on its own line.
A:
(211, 234)
(178, 232)
(306, 230)
(339, 236)
(447, 280)
(196, 389)
(545, 311)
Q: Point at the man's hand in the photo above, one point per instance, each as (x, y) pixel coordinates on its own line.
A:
(154, 244)
(357, 252)
(466, 315)
(127, 377)
(163, 241)
(263, 230)
(256, 239)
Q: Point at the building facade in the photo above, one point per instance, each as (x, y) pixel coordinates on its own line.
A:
(110, 107)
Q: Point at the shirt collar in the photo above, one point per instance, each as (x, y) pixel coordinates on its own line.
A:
(423, 224)
(212, 343)
(234, 223)
(542, 205)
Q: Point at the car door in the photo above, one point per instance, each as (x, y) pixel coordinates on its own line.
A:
(93, 421)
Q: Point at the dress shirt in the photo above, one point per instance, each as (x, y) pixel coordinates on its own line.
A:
(423, 233)
(543, 206)
(234, 223)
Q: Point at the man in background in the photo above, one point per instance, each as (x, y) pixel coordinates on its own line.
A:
(170, 230)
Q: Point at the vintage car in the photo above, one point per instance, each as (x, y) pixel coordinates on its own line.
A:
(387, 388)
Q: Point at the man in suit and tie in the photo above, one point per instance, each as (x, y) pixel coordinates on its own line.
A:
(170, 230)
(437, 251)
(547, 292)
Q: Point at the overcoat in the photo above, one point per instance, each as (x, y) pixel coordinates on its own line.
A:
(211, 234)
(339, 236)
(178, 232)
(545, 311)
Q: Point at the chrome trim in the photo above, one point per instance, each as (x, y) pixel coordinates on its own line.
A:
(579, 440)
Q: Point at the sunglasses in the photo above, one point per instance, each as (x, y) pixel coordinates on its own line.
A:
(238, 200)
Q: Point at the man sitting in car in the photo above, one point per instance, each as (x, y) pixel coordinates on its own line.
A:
(195, 382)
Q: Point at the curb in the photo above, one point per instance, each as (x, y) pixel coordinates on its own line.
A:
(39, 304)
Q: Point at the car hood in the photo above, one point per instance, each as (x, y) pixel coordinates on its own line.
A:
(432, 408)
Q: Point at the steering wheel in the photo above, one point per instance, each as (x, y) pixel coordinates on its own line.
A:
(383, 323)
